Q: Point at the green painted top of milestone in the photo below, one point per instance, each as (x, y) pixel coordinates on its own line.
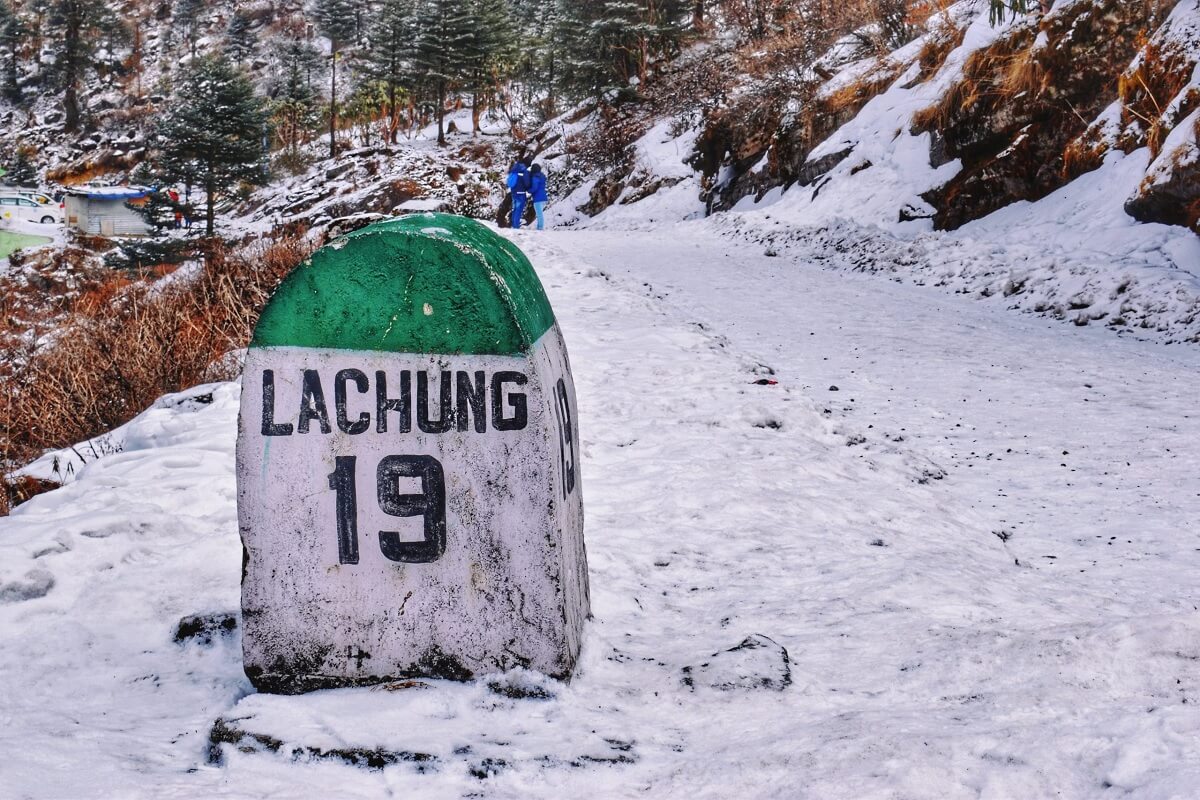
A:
(424, 283)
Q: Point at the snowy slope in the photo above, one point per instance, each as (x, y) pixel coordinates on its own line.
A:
(1075, 255)
(958, 621)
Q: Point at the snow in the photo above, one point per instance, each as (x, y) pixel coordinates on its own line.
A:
(976, 599)
(1181, 149)
(1074, 255)
(110, 192)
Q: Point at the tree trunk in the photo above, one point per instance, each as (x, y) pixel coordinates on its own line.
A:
(333, 101)
(475, 98)
(441, 112)
(71, 69)
(14, 91)
(210, 201)
(698, 15)
(393, 114)
(551, 97)
(138, 67)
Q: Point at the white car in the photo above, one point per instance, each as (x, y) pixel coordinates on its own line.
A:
(16, 207)
(37, 197)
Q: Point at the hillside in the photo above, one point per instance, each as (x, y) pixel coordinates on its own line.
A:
(1049, 162)
(933, 123)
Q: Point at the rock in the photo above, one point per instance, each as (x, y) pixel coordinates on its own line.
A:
(757, 663)
(816, 168)
(348, 224)
(1170, 194)
(1012, 144)
(203, 628)
(834, 389)
(910, 212)
(232, 732)
(522, 684)
(603, 194)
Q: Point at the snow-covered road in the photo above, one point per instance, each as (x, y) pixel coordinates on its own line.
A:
(980, 554)
(1042, 428)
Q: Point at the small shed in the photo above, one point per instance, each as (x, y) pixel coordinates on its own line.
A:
(105, 211)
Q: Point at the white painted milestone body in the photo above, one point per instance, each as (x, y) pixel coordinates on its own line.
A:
(409, 513)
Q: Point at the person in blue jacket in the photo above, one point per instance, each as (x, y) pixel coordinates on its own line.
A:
(537, 193)
(518, 185)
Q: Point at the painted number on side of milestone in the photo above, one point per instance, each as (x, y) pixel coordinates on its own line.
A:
(566, 443)
(430, 505)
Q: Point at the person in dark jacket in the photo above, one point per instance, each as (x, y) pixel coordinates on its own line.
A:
(518, 185)
(537, 193)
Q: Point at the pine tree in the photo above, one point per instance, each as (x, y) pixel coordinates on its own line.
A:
(445, 49)
(76, 27)
(137, 61)
(37, 16)
(536, 70)
(240, 37)
(297, 65)
(336, 21)
(21, 171)
(603, 45)
(186, 16)
(388, 58)
(363, 11)
(999, 10)
(496, 50)
(211, 135)
(112, 35)
(12, 33)
(365, 107)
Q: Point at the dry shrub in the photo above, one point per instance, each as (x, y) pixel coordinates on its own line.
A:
(608, 143)
(848, 100)
(17, 490)
(91, 167)
(1084, 154)
(990, 76)
(1148, 88)
(1025, 74)
(126, 343)
(937, 48)
(481, 153)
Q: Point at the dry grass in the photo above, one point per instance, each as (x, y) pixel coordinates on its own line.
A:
(1147, 89)
(93, 167)
(124, 343)
(848, 100)
(1025, 73)
(937, 49)
(991, 76)
(609, 142)
(1084, 154)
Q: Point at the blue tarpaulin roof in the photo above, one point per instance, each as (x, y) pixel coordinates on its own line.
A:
(109, 192)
